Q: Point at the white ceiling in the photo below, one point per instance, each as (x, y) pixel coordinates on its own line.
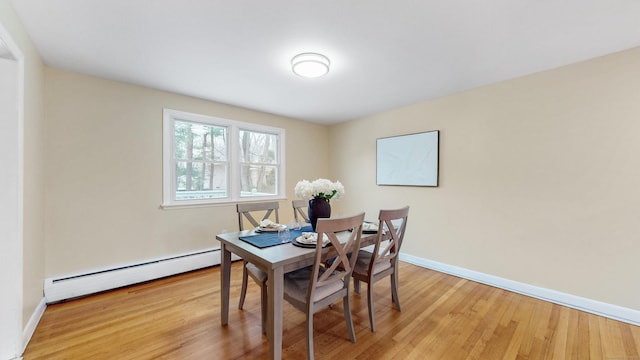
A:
(384, 53)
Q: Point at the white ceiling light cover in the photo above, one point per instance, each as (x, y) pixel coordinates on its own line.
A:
(310, 65)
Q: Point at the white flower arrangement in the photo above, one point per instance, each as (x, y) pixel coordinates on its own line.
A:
(322, 188)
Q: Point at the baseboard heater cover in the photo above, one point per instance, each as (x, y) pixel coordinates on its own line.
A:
(69, 287)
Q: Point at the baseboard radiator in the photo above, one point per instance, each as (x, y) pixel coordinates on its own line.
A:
(69, 287)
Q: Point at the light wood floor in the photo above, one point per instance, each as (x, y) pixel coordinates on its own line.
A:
(443, 317)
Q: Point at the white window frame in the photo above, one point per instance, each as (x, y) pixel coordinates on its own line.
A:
(169, 117)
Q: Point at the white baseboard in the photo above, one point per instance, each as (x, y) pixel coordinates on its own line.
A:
(72, 286)
(576, 302)
(30, 328)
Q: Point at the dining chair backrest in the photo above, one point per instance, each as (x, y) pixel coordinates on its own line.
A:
(264, 209)
(391, 228)
(300, 210)
(342, 252)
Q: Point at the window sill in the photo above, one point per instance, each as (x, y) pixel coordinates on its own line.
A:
(216, 204)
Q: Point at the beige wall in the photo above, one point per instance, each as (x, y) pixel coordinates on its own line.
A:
(33, 184)
(104, 173)
(539, 178)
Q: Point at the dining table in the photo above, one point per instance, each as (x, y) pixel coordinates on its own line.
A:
(275, 260)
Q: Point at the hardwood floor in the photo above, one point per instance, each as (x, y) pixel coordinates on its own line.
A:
(443, 317)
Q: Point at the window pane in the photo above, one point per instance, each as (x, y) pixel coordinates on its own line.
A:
(256, 147)
(258, 180)
(198, 151)
(199, 180)
(195, 141)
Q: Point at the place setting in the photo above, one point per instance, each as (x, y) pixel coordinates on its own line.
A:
(309, 239)
(267, 225)
(270, 233)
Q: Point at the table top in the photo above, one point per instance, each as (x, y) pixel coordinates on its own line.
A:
(285, 255)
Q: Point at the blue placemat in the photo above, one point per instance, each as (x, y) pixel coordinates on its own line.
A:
(268, 239)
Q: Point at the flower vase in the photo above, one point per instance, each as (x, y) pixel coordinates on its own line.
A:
(319, 207)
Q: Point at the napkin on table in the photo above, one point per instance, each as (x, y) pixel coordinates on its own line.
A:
(268, 224)
(312, 238)
(367, 226)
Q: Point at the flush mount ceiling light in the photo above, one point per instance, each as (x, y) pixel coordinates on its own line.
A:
(310, 65)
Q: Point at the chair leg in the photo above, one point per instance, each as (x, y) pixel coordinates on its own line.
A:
(356, 286)
(347, 315)
(245, 278)
(310, 334)
(263, 306)
(394, 290)
(372, 321)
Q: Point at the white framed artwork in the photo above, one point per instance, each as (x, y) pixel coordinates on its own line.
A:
(408, 160)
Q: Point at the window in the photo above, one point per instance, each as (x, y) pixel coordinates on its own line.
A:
(209, 160)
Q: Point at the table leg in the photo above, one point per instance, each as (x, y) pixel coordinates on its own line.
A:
(225, 284)
(275, 288)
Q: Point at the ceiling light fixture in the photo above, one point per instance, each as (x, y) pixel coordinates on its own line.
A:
(310, 65)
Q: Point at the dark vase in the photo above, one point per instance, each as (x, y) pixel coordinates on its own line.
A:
(319, 207)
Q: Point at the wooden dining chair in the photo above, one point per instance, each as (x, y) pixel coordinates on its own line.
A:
(383, 261)
(315, 287)
(300, 210)
(246, 212)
